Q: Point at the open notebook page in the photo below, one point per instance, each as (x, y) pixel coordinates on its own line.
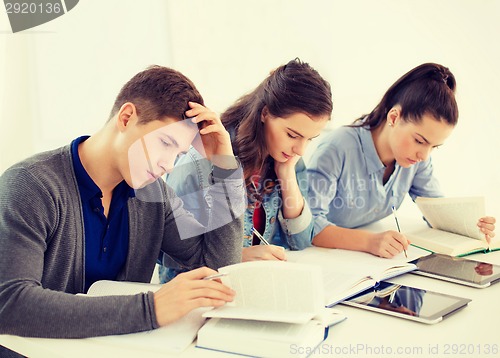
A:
(272, 291)
(456, 215)
(347, 272)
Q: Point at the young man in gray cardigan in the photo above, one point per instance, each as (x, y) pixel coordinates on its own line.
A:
(98, 209)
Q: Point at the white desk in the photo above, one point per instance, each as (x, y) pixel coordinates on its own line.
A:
(471, 332)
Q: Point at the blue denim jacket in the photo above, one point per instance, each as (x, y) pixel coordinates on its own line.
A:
(190, 181)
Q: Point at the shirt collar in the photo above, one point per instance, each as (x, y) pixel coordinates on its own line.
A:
(88, 188)
(373, 162)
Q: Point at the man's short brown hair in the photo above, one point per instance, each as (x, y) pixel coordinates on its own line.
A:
(158, 92)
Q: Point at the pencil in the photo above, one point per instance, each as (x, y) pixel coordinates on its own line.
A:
(259, 236)
(397, 224)
(215, 276)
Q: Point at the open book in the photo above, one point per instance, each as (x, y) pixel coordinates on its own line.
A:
(454, 229)
(173, 338)
(347, 273)
(278, 305)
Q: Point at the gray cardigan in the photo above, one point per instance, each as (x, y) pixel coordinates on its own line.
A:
(42, 248)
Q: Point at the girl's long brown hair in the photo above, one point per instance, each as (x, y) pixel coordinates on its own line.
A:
(292, 88)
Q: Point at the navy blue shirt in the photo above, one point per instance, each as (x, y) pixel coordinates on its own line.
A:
(106, 239)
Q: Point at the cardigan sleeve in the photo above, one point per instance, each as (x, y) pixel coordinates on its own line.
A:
(41, 269)
(192, 244)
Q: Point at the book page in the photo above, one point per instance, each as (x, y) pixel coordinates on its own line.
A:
(445, 242)
(272, 291)
(456, 215)
(347, 272)
(173, 338)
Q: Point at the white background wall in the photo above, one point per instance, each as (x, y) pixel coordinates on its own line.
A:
(59, 80)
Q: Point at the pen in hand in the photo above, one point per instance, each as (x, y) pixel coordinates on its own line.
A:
(279, 256)
(397, 224)
(215, 276)
(259, 236)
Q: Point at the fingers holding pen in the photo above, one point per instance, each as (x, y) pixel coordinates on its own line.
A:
(388, 243)
(264, 252)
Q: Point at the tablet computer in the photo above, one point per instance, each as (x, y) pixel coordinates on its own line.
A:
(458, 270)
(408, 302)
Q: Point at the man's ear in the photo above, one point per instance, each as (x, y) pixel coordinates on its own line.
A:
(125, 115)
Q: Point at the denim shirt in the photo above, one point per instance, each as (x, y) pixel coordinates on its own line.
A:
(190, 182)
(346, 186)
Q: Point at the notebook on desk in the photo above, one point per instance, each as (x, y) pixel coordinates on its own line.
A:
(277, 305)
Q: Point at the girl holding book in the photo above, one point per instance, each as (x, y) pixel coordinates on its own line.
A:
(270, 129)
(359, 172)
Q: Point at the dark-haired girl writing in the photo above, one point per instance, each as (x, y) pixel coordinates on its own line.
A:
(359, 172)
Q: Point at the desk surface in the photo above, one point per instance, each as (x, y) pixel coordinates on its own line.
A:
(473, 331)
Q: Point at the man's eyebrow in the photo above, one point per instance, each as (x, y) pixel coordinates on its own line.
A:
(174, 142)
(300, 135)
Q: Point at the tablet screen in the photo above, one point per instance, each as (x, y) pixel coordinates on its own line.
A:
(408, 302)
(458, 268)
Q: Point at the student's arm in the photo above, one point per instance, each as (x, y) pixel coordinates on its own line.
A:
(293, 215)
(292, 201)
(189, 291)
(218, 242)
(384, 244)
(263, 252)
(297, 228)
(324, 172)
(189, 180)
(215, 138)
